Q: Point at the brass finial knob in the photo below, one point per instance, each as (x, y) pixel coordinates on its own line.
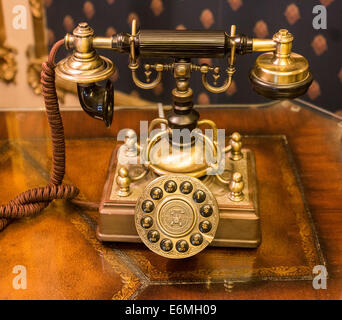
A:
(83, 30)
(236, 187)
(236, 145)
(123, 181)
(131, 143)
(284, 39)
(283, 36)
(148, 72)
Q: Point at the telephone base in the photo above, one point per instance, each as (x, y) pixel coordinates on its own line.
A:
(239, 224)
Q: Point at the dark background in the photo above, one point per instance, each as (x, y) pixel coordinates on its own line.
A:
(322, 48)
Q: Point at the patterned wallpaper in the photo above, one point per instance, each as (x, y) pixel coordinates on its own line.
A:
(262, 18)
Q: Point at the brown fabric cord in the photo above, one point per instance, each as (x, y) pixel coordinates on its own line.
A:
(35, 200)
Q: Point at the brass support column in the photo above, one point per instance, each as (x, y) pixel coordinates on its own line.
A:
(182, 114)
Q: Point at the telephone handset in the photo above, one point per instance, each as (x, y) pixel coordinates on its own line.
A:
(174, 205)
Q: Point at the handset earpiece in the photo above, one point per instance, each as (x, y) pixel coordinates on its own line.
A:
(97, 100)
(281, 74)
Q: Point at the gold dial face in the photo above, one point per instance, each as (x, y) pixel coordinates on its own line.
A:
(176, 216)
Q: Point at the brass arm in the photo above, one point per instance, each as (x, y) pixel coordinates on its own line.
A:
(224, 87)
(144, 85)
(263, 45)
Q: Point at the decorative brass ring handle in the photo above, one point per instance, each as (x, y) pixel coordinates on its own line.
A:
(155, 122)
(196, 174)
(150, 143)
(213, 126)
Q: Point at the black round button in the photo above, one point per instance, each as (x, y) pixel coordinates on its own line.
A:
(166, 245)
(196, 239)
(206, 210)
(153, 236)
(146, 222)
(186, 187)
(182, 246)
(156, 193)
(170, 186)
(147, 206)
(205, 226)
(199, 196)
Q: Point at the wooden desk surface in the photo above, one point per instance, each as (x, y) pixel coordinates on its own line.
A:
(62, 256)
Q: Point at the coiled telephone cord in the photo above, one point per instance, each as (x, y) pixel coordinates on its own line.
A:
(35, 200)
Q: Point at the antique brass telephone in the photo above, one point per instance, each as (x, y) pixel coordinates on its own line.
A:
(179, 202)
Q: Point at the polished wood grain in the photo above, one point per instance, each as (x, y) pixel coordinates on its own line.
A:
(65, 261)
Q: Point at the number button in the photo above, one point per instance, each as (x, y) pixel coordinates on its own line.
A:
(147, 206)
(205, 226)
(182, 246)
(166, 245)
(146, 222)
(199, 196)
(156, 193)
(170, 186)
(196, 239)
(153, 236)
(186, 187)
(206, 211)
